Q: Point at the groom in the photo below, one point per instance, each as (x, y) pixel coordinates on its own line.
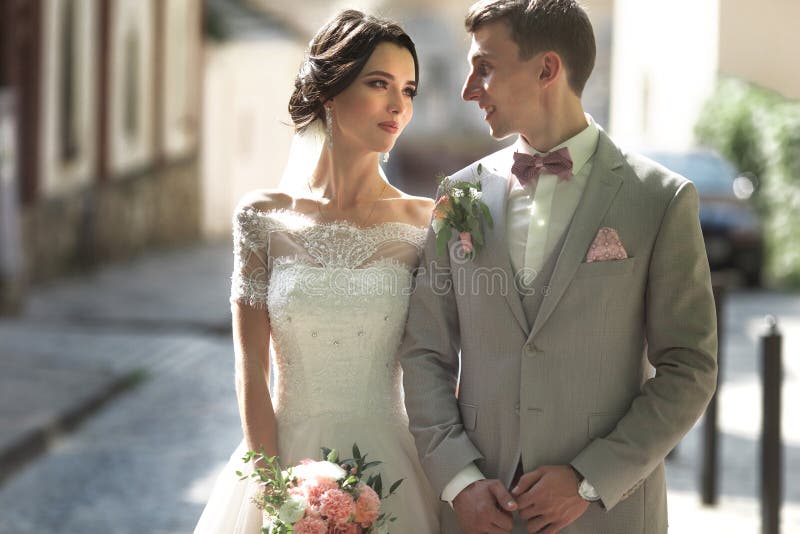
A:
(547, 377)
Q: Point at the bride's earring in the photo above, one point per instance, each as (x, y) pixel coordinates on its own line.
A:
(329, 125)
(385, 157)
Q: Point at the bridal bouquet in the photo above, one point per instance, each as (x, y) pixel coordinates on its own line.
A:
(325, 497)
(461, 209)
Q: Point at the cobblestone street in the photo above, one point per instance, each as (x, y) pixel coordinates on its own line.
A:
(145, 461)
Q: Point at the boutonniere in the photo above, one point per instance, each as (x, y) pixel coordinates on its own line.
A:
(461, 209)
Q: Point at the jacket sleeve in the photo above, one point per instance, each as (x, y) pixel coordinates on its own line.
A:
(429, 355)
(681, 332)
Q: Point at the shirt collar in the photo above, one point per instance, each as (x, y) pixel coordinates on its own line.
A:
(581, 146)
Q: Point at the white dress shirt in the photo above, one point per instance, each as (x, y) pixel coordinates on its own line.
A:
(537, 217)
(539, 213)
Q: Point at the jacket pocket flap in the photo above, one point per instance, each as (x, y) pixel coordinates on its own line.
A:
(469, 415)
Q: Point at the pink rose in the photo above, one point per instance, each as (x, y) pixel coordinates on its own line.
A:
(344, 528)
(314, 488)
(337, 505)
(368, 506)
(297, 490)
(313, 511)
(441, 207)
(310, 525)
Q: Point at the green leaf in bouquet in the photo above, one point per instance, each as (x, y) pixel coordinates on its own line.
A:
(394, 486)
(356, 452)
(325, 452)
(370, 465)
(480, 171)
(487, 214)
(378, 486)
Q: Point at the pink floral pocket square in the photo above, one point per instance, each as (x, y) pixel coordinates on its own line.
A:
(606, 246)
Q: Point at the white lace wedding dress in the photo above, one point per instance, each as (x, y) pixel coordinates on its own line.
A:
(337, 297)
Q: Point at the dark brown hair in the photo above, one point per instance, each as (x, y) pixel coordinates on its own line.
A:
(336, 55)
(542, 25)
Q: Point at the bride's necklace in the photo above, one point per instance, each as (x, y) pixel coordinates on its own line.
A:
(361, 224)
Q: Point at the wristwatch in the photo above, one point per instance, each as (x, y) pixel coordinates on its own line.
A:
(585, 490)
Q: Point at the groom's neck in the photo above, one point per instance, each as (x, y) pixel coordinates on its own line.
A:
(555, 125)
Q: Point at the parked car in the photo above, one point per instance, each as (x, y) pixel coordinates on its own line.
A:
(731, 228)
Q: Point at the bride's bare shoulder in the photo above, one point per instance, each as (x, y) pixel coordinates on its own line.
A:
(265, 200)
(417, 209)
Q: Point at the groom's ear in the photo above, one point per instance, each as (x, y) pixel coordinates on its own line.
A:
(551, 67)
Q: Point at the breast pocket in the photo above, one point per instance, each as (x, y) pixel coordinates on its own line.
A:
(605, 268)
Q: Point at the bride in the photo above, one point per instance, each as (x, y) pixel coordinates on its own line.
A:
(323, 270)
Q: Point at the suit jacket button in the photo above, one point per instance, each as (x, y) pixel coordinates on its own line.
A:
(516, 408)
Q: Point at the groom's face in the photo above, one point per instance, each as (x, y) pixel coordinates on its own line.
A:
(504, 86)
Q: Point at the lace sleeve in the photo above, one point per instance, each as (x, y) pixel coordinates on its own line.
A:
(250, 278)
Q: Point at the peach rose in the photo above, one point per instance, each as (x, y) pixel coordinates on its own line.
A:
(314, 488)
(310, 525)
(337, 505)
(368, 506)
(344, 528)
(441, 207)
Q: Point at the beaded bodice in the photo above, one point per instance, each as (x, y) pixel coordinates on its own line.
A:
(337, 297)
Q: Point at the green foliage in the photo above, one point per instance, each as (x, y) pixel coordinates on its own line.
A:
(759, 131)
(214, 25)
(460, 208)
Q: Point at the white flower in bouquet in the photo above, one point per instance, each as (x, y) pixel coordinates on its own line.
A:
(319, 470)
(293, 509)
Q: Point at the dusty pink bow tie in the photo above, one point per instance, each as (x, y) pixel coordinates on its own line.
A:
(527, 168)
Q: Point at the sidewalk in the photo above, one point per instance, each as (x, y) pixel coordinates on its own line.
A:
(73, 349)
(83, 341)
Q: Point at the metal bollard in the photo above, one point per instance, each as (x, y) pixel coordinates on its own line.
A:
(709, 469)
(771, 450)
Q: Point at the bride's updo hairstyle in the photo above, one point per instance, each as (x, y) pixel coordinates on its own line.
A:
(336, 55)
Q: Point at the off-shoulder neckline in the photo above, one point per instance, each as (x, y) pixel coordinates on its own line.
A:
(332, 223)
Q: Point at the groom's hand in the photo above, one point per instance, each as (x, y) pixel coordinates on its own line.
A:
(484, 506)
(548, 498)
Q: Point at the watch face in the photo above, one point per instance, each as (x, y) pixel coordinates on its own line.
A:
(587, 491)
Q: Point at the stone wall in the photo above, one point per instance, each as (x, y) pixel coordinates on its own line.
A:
(112, 221)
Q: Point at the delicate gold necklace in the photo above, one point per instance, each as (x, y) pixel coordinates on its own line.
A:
(363, 223)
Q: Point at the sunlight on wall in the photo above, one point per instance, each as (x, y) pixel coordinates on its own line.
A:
(665, 57)
(245, 138)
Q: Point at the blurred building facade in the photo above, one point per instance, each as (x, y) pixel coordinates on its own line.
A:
(106, 116)
(667, 55)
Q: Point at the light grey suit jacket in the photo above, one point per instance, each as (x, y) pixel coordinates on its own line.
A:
(574, 384)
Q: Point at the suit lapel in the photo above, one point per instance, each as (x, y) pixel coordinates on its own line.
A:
(495, 194)
(601, 188)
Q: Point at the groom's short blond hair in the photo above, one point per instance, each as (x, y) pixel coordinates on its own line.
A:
(541, 25)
